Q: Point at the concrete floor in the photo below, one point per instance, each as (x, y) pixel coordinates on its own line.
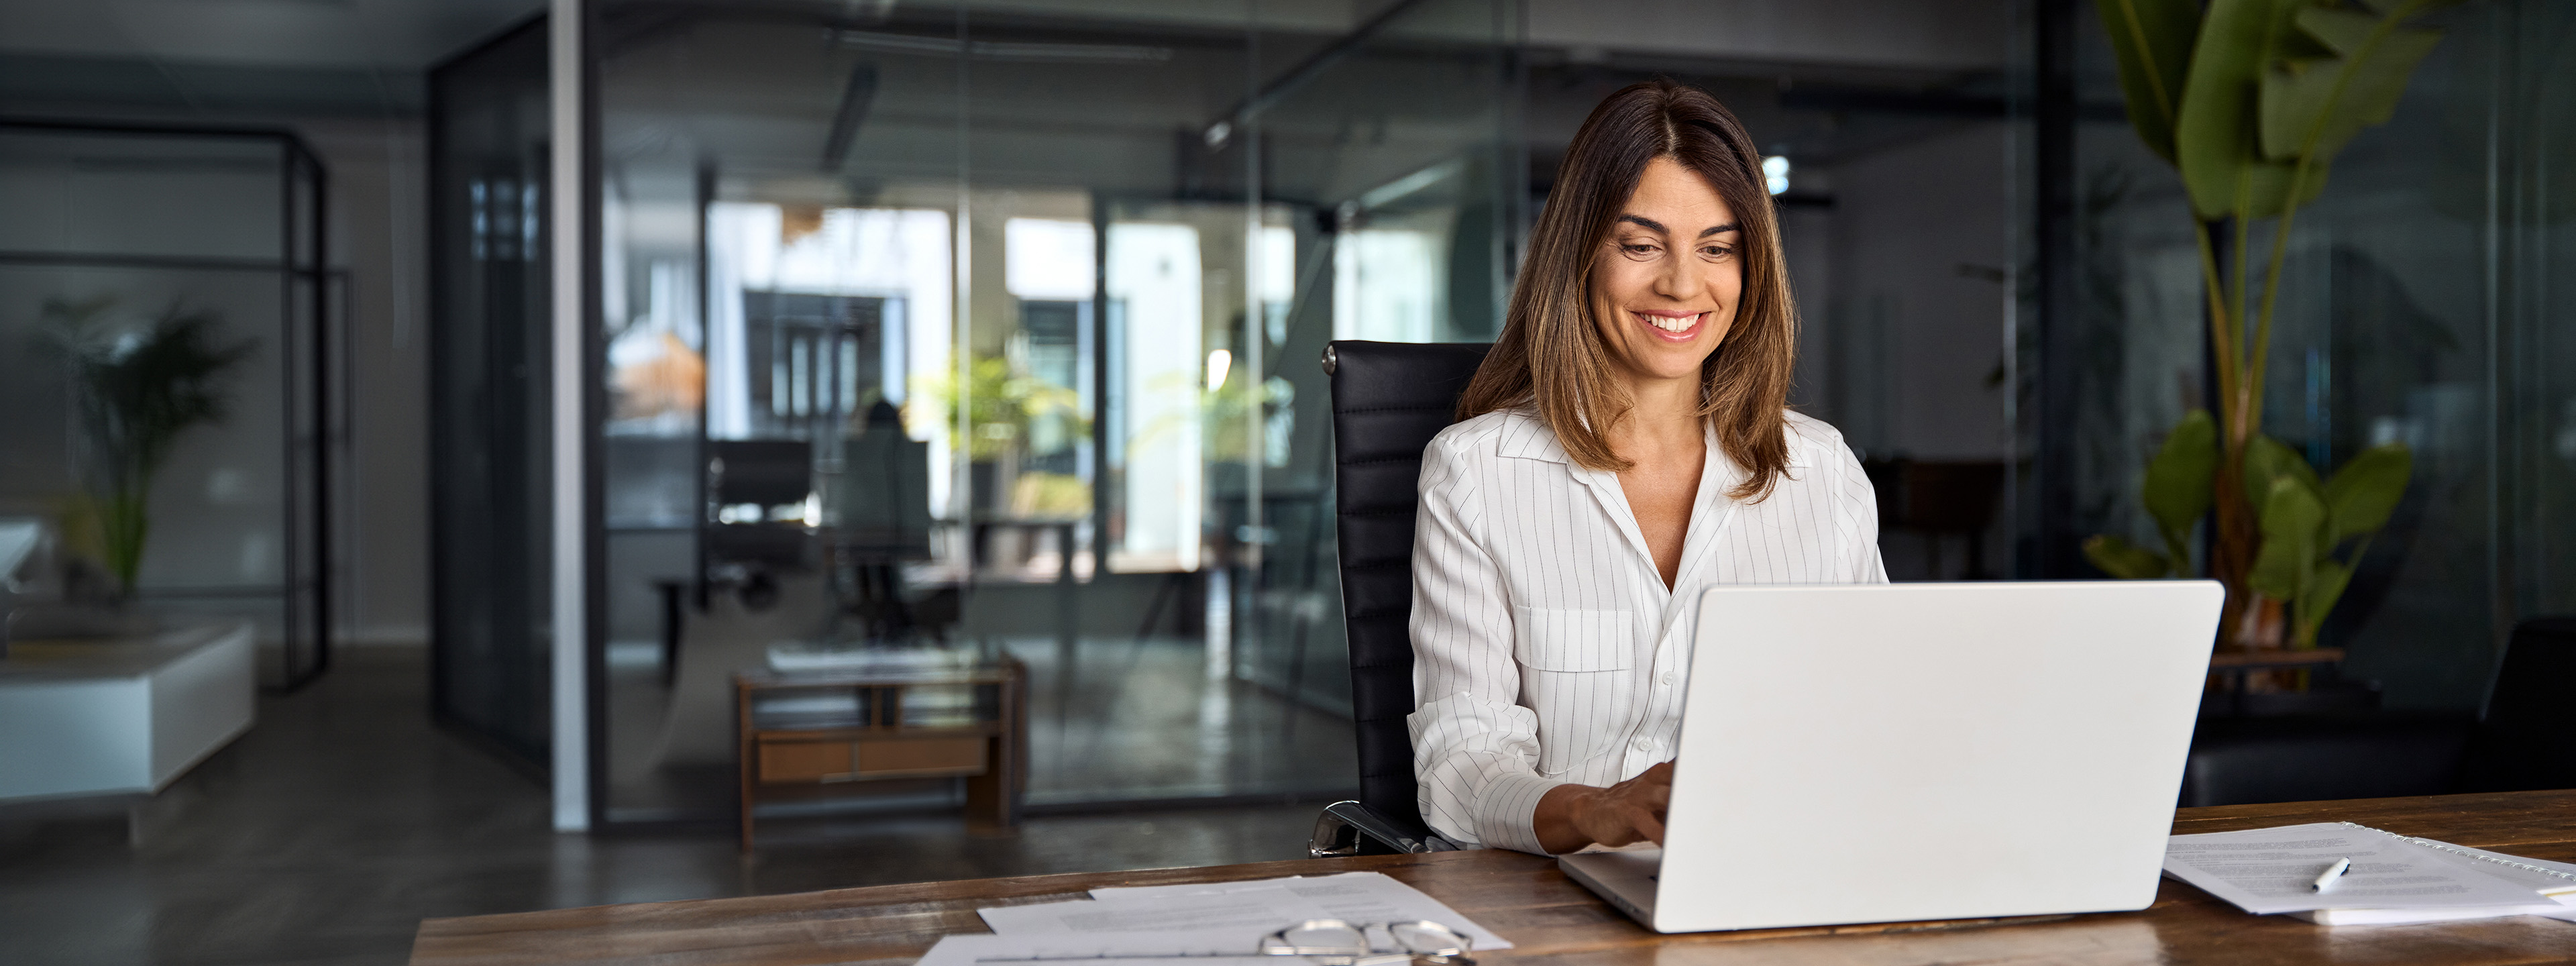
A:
(1140, 720)
(344, 818)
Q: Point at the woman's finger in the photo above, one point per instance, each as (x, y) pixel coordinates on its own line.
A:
(1648, 825)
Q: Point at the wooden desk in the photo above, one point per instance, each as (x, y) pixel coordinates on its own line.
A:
(1524, 898)
(985, 741)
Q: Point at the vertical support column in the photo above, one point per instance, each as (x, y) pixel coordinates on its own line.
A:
(328, 432)
(2060, 325)
(569, 96)
(1254, 540)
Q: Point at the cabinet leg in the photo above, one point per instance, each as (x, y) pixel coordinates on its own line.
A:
(990, 804)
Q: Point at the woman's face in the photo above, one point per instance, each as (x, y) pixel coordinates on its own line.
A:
(1666, 281)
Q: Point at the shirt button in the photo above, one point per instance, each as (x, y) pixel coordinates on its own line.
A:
(1645, 744)
(1665, 679)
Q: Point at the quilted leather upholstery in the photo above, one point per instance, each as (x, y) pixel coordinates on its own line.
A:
(1389, 399)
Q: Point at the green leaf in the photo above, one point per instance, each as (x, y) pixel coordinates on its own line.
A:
(2268, 459)
(2341, 71)
(2178, 487)
(2125, 560)
(2216, 141)
(2326, 586)
(2152, 39)
(2292, 515)
(2361, 495)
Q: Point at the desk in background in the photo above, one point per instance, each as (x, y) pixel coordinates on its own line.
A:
(883, 725)
(1525, 898)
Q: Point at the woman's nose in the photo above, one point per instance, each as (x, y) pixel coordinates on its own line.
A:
(1679, 280)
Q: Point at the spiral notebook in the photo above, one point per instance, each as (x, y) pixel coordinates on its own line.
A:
(2394, 878)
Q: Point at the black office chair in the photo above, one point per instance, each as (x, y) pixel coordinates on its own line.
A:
(748, 556)
(1389, 399)
(2518, 745)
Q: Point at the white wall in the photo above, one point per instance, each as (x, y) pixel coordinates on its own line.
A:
(379, 234)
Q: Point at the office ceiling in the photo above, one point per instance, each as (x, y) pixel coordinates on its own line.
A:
(386, 34)
(219, 58)
(1818, 79)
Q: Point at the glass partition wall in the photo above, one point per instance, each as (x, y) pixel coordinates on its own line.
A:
(2418, 306)
(490, 442)
(164, 306)
(1000, 331)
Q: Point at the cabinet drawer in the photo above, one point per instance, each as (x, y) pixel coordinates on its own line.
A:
(921, 756)
(805, 761)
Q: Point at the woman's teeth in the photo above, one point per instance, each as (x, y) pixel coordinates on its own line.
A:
(1673, 323)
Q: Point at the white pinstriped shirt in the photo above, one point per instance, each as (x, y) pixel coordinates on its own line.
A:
(1546, 649)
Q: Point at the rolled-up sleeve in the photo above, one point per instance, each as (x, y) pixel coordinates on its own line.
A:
(1475, 748)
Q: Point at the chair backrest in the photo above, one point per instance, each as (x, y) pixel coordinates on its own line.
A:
(1389, 399)
(2522, 742)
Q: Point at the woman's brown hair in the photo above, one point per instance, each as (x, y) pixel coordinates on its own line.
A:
(1551, 355)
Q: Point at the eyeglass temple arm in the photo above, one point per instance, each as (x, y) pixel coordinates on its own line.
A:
(1345, 826)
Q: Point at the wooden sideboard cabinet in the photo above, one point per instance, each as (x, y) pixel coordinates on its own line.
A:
(847, 727)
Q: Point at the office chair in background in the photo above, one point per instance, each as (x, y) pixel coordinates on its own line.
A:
(746, 545)
(1389, 399)
(2518, 744)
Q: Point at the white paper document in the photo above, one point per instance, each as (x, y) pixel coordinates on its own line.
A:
(1350, 897)
(2274, 870)
(1221, 922)
(1252, 912)
(1096, 949)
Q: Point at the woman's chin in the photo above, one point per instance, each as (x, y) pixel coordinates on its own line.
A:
(1667, 361)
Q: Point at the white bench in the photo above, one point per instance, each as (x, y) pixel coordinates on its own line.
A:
(121, 715)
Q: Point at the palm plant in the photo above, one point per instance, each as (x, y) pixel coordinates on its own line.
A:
(2250, 100)
(136, 391)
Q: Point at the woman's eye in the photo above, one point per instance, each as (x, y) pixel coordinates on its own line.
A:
(1716, 252)
(1637, 251)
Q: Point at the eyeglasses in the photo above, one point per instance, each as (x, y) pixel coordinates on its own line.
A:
(1333, 942)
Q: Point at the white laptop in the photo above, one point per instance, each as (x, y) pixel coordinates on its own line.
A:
(1903, 752)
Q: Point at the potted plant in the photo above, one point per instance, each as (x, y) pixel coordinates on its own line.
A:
(2250, 100)
(136, 390)
(1007, 411)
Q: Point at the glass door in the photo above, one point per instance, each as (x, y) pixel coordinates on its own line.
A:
(489, 395)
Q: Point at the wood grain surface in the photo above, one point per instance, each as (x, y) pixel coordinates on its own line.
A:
(1550, 918)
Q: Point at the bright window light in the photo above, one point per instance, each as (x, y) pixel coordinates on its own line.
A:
(1047, 259)
(1278, 253)
(1218, 362)
(1154, 273)
(1386, 285)
(1775, 173)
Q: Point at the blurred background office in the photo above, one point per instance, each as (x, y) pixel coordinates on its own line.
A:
(582, 374)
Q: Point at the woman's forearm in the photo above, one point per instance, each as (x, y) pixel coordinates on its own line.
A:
(1570, 817)
(1554, 819)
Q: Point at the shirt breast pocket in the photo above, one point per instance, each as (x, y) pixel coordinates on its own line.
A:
(1577, 673)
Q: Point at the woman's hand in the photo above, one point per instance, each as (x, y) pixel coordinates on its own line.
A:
(1570, 817)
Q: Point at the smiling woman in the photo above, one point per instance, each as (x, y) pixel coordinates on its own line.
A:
(1660, 210)
(1625, 445)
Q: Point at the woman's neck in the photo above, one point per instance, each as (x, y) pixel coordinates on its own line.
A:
(1663, 416)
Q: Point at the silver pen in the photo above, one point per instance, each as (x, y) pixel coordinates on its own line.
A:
(2332, 873)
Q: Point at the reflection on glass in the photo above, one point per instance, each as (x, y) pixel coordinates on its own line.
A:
(490, 438)
(1382, 284)
(1047, 345)
(117, 242)
(2411, 310)
(1154, 305)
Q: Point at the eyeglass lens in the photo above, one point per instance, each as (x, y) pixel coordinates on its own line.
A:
(1333, 936)
(1425, 937)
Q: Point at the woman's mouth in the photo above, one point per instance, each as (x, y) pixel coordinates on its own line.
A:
(1675, 326)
